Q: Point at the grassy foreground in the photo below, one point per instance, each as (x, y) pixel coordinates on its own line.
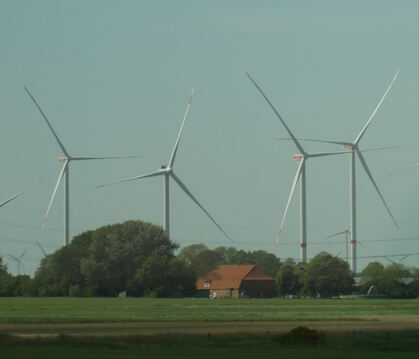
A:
(99, 310)
(401, 345)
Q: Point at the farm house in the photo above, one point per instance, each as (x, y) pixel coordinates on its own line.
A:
(236, 281)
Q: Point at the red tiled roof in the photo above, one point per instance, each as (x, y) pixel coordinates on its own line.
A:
(231, 276)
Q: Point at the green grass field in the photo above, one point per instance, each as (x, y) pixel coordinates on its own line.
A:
(208, 316)
(96, 310)
(403, 345)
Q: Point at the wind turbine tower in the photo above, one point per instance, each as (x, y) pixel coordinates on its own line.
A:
(65, 173)
(167, 172)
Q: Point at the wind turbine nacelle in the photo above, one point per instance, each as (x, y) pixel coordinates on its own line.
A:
(298, 156)
(62, 159)
(349, 147)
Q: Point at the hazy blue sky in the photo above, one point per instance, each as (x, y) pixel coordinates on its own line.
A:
(114, 77)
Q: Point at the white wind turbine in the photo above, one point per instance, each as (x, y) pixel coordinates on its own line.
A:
(303, 156)
(64, 173)
(167, 172)
(354, 147)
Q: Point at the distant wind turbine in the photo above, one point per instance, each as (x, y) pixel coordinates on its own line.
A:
(347, 234)
(399, 261)
(167, 171)
(64, 173)
(41, 248)
(354, 147)
(18, 260)
(303, 156)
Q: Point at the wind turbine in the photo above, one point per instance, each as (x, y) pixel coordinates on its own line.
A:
(354, 147)
(303, 156)
(64, 173)
(18, 260)
(347, 234)
(167, 172)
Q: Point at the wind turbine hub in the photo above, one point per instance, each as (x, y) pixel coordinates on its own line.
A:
(353, 241)
(303, 245)
(62, 159)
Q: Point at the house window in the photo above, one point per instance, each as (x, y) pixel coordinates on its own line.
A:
(207, 283)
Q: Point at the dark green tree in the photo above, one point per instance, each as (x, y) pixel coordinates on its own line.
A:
(327, 276)
(201, 259)
(266, 261)
(287, 279)
(102, 262)
(395, 280)
(163, 276)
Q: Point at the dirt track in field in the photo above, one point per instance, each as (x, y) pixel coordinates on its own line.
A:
(370, 323)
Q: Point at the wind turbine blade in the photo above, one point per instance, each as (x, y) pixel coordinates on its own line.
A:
(367, 170)
(60, 177)
(152, 174)
(294, 184)
(335, 234)
(48, 123)
(315, 140)
(390, 260)
(191, 196)
(403, 169)
(42, 249)
(18, 194)
(300, 148)
(321, 154)
(13, 257)
(174, 152)
(13, 197)
(376, 108)
(104, 158)
(362, 244)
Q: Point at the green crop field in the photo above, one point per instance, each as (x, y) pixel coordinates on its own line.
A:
(188, 328)
(96, 310)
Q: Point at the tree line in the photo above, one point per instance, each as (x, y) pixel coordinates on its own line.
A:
(136, 258)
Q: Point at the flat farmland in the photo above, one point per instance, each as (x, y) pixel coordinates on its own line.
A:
(149, 316)
(107, 310)
(187, 328)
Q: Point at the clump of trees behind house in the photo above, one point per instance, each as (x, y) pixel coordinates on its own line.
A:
(202, 260)
(136, 258)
